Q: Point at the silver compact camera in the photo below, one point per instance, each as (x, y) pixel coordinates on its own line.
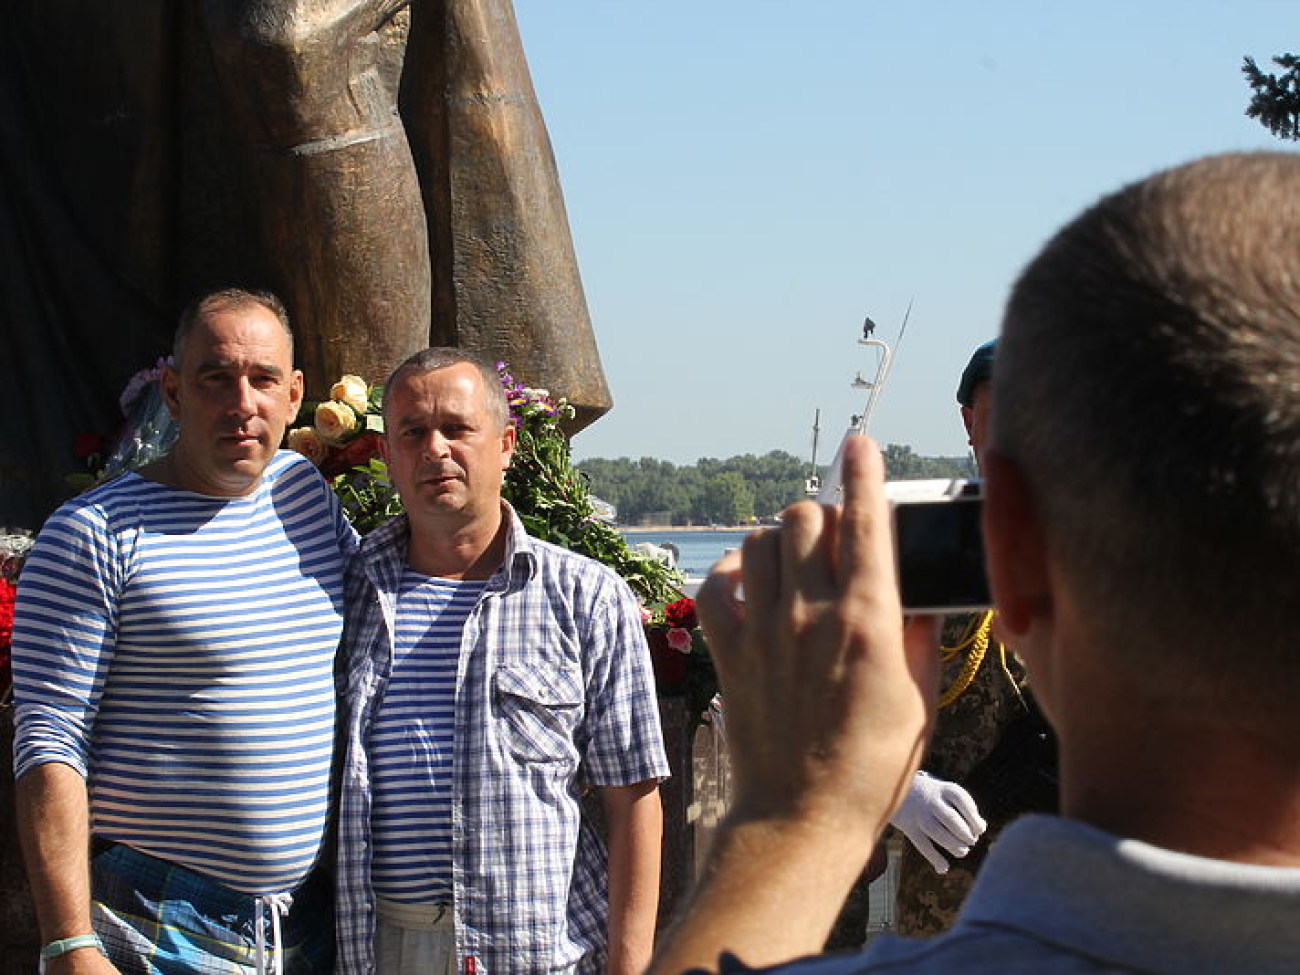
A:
(940, 545)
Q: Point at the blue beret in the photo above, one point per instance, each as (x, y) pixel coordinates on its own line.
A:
(978, 370)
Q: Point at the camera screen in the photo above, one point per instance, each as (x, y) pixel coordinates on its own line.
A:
(941, 555)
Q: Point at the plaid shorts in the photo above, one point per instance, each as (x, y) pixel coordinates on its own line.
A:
(155, 918)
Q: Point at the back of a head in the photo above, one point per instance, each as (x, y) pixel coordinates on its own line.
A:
(1149, 388)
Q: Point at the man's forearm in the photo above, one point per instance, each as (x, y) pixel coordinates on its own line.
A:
(829, 697)
(54, 832)
(634, 815)
(770, 891)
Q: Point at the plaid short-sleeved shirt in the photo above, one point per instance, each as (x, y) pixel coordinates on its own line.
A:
(554, 694)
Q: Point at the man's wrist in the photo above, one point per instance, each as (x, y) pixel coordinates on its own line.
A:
(61, 946)
(828, 818)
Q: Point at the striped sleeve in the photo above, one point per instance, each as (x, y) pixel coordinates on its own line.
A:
(65, 624)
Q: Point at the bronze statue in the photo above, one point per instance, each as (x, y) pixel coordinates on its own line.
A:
(383, 165)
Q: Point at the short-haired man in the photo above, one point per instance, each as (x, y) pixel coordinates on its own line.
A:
(173, 654)
(492, 679)
(1142, 525)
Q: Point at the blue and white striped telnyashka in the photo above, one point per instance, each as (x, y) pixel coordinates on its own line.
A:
(178, 650)
(411, 742)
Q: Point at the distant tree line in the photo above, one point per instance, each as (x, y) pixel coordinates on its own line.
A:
(735, 491)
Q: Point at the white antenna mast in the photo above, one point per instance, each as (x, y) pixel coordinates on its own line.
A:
(828, 490)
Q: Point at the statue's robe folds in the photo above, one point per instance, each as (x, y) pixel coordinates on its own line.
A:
(383, 166)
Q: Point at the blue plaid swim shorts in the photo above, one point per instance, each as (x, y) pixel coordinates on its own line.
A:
(155, 918)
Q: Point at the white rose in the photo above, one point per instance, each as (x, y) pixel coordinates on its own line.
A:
(335, 420)
(307, 442)
(351, 390)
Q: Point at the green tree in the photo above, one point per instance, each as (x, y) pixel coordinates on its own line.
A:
(709, 490)
(658, 489)
(902, 464)
(614, 481)
(777, 479)
(1276, 99)
(727, 499)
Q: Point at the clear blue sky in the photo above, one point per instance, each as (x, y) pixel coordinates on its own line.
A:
(746, 180)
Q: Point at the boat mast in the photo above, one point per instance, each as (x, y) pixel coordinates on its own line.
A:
(812, 485)
(827, 490)
(884, 362)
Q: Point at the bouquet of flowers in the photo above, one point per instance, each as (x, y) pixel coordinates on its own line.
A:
(13, 552)
(343, 441)
(679, 653)
(345, 428)
(554, 500)
(8, 592)
(147, 433)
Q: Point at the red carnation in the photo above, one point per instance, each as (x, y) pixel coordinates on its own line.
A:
(681, 614)
(7, 593)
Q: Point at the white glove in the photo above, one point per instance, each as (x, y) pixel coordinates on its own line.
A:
(937, 811)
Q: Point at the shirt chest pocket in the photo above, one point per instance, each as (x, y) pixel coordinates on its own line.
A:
(539, 713)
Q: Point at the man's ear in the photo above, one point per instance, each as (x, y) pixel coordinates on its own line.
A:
(508, 437)
(1014, 546)
(169, 384)
(296, 384)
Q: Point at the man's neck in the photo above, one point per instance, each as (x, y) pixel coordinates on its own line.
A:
(1187, 783)
(174, 470)
(470, 551)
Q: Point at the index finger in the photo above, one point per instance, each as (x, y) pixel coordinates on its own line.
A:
(716, 604)
(866, 549)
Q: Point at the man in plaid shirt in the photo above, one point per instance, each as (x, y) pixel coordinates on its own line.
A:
(492, 680)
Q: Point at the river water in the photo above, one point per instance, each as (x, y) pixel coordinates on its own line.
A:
(697, 548)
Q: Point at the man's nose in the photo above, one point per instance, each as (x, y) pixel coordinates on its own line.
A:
(436, 446)
(243, 400)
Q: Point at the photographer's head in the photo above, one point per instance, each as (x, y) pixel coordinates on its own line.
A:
(1149, 393)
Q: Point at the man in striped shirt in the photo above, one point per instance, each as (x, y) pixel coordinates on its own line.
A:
(492, 681)
(173, 658)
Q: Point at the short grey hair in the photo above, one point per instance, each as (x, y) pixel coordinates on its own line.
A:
(227, 299)
(440, 357)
